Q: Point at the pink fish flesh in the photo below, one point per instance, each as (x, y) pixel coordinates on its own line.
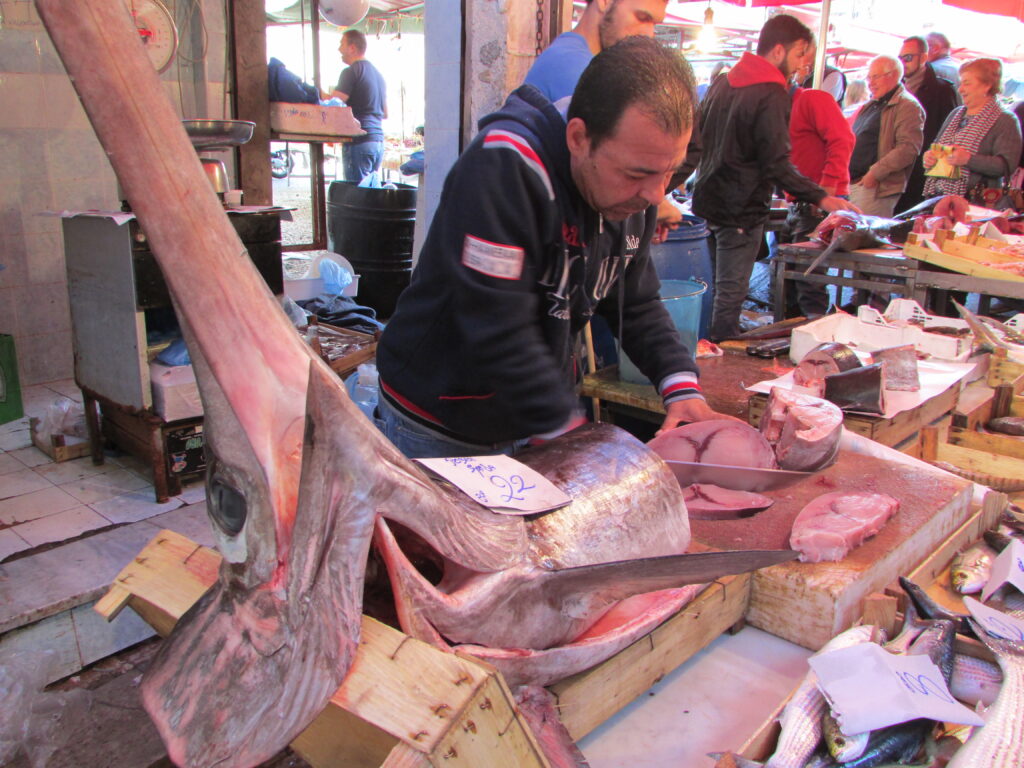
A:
(710, 502)
(822, 361)
(727, 442)
(834, 523)
(900, 366)
(804, 430)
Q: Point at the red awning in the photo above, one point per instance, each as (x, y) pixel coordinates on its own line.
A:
(760, 3)
(1013, 8)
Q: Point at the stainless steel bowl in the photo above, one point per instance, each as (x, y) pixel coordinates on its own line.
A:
(218, 134)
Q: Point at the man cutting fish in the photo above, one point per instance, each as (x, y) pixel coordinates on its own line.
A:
(543, 222)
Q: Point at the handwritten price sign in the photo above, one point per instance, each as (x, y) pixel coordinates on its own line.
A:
(870, 688)
(500, 482)
(996, 622)
(1008, 568)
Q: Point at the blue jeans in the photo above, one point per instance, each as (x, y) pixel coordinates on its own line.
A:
(417, 441)
(362, 159)
(734, 254)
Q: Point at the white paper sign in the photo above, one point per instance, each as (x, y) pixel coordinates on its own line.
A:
(996, 622)
(870, 688)
(500, 482)
(1007, 567)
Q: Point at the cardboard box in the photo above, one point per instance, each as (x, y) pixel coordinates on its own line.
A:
(310, 119)
(175, 393)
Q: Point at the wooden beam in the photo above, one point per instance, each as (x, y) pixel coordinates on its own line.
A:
(248, 26)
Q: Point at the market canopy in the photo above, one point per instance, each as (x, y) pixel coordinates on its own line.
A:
(1013, 8)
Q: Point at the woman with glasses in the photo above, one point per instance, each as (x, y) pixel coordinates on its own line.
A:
(985, 138)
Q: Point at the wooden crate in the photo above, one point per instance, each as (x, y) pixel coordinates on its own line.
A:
(406, 703)
(344, 349)
(961, 256)
(58, 447)
(978, 456)
(889, 432)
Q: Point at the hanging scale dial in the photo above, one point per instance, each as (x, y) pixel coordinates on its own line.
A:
(157, 31)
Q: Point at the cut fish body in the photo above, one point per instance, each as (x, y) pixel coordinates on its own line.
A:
(860, 389)
(727, 442)
(804, 430)
(900, 365)
(710, 502)
(834, 523)
(822, 361)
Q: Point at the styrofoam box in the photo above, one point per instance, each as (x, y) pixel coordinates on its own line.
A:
(175, 393)
(313, 119)
(312, 285)
(870, 331)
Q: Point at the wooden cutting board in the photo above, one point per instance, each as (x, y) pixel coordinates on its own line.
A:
(809, 603)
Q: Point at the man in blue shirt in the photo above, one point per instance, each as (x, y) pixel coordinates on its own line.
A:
(361, 87)
(603, 23)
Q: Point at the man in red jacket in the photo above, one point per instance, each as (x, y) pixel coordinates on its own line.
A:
(822, 143)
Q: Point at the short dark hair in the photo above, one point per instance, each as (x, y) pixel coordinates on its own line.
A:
(356, 39)
(920, 42)
(636, 71)
(782, 29)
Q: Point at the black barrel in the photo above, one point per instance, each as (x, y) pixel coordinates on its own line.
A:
(373, 229)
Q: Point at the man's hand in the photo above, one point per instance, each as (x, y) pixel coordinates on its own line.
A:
(868, 181)
(669, 217)
(831, 204)
(686, 411)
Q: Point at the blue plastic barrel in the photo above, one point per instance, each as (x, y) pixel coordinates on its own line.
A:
(682, 299)
(686, 255)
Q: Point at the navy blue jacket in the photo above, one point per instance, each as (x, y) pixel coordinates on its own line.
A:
(483, 341)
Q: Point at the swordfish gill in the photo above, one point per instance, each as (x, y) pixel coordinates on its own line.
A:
(297, 476)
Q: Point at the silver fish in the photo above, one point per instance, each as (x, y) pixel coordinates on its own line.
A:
(1000, 742)
(840, 746)
(969, 570)
(975, 681)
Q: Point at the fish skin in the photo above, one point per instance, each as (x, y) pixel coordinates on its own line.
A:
(1007, 425)
(970, 569)
(824, 360)
(975, 681)
(900, 743)
(1000, 742)
(841, 747)
(801, 718)
(861, 389)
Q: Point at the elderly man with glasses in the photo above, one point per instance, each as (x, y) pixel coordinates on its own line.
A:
(938, 97)
(889, 131)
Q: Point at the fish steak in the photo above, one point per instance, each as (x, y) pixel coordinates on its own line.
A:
(804, 431)
(834, 523)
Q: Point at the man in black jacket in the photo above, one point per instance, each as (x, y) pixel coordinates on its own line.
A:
(543, 221)
(745, 127)
(938, 97)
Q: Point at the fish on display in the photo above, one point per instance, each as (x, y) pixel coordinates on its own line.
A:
(1000, 742)
(832, 524)
(900, 365)
(724, 441)
(1007, 425)
(824, 360)
(804, 431)
(970, 569)
(297, 477)
(848, 231)
(861, 389)
(841, 747)
(710, 502)
(975, 681)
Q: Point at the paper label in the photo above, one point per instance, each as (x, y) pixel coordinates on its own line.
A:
(500, 482)
(996, 622)
(1008, 567)
(493, 259)
(870, 688)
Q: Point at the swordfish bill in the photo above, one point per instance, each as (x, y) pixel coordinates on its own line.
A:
(254, 661)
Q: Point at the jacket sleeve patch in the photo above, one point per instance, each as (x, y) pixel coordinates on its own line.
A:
(492, 259)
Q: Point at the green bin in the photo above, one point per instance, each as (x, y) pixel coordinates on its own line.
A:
(10, 389)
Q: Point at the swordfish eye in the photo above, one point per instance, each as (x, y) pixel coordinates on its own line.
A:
(227, 507)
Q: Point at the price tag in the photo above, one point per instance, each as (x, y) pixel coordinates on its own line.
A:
(996, 622)
(500, 482)
(1007, 567)
(870, 688)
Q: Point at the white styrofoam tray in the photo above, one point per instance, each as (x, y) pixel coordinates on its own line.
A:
(312, 285)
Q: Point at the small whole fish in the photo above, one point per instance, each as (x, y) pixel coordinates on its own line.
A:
(969, 570)
(843, 748)
(1000, 742)
(975, 681)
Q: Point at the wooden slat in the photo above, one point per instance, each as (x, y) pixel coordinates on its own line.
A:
(1006, 445)
(588, 699)
(963, 258)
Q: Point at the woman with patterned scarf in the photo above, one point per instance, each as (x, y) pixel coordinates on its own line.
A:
(986, 139)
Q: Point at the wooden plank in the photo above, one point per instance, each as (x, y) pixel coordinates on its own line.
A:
(964, 259)
(1006, 445)
(982, 462)
(251, 98)
(588, 699)
(974, 406)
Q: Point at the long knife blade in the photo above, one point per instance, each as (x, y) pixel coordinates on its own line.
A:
(752, 479)
(628, 577)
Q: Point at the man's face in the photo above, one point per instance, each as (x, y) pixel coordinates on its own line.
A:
(806, 65)
(792, 61)
(346, 51)
(630, 17)
(913, 58)
(882, 78)
(628, 171)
